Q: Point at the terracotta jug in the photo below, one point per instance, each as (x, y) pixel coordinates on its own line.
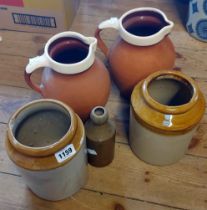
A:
(73, 74)
(141, 48)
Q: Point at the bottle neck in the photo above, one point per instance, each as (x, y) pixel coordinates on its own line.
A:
(99, 115)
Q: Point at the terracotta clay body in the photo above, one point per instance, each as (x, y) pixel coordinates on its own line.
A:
(72, 74)
(100, 135)
(141, 48)
(166, 109)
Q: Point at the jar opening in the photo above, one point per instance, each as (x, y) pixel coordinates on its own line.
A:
(170, 91)
(99, 111)
(68, 50)
(99, 115)
(144, 23)
(41, 125)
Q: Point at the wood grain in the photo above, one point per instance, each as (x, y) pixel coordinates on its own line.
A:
(21, 198)
(127, 183)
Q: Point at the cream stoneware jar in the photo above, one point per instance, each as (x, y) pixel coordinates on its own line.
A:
(46, 141)
(166, 108)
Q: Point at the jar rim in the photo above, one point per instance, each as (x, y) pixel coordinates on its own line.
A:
(48, 149)
(161, 118)
(168, 109)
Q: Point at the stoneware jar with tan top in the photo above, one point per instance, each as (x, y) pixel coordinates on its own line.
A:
(46, 141)
(72, 72)
(166, 108)
(142, 47)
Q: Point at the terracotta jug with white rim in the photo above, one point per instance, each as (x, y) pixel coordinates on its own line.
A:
(141, 48)
(72, 73)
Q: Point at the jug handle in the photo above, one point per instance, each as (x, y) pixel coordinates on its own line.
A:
(110, 23)
(34, 64)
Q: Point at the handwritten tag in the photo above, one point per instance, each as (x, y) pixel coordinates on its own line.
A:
(65, 153)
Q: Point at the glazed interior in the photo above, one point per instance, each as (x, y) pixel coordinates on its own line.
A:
(170, 90)
(41, 124)
(144, 23)
(68, 50)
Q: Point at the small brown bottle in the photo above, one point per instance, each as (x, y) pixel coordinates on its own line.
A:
(100, 135)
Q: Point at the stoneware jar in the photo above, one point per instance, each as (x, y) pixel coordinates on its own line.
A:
(141, 48)
(46, 141)
(100, 136)
(197, 19)
(166, 108)
(73, 74)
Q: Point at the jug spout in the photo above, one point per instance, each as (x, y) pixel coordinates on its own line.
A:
(167, 25)
(92, 42)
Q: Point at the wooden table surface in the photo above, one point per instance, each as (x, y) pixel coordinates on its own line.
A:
(127, 183)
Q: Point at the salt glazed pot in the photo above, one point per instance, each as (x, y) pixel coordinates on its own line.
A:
(197, 19)
(100, 137)
(73, 74)
(141, 48)
(166, 108)
(52, 170)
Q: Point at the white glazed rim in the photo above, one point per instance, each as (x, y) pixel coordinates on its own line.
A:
(78, 67)
(145, 40)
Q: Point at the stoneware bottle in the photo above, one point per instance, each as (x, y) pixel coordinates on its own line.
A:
(197, 19)
(166, 108)
(71, 72)
(142, 47)
(100, 135)
(46, 142)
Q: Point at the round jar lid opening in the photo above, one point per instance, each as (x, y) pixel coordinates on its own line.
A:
(99, 115)
(42, 127)
(170, 92)
(99, 111)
